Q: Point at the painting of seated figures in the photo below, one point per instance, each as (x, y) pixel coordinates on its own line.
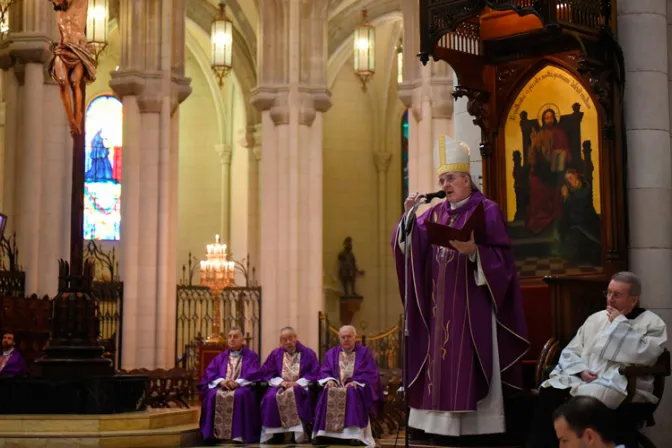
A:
(553, 185)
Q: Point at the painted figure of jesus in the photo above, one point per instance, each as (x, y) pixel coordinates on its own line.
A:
(72, 63)
(548, 157)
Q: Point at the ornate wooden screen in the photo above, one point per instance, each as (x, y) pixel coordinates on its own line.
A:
(544, 82)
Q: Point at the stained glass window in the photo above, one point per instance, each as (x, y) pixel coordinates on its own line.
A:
(404, 158)
(102, 178)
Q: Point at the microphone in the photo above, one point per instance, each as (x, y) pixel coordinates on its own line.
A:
(429, 197)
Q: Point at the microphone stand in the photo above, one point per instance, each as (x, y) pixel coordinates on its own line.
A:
(409, 221)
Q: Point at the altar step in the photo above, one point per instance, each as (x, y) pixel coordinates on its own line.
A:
(146, 429)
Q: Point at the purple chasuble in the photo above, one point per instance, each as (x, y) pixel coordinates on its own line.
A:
(450, 317)
(360, 401)
(272, 368)
(245, 425)
(13, 365)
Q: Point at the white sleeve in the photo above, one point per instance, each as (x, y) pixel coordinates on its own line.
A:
(302, 382)
(571, 362)
(479, 276)
(623, 343)
(243, 382)
(276, 381)
(326, 380)
(214, 383)
(400, 240)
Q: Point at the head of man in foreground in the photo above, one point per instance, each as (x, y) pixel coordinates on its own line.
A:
(585, 422)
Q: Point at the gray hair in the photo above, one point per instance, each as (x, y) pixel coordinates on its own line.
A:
(235, 329)
(472, 183)
(347, 327)
(288, 329)
(631, 279)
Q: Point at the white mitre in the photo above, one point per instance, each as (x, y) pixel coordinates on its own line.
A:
(451, 156)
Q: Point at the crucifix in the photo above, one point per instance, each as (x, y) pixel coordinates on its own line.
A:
(72, 67)
(74, 348)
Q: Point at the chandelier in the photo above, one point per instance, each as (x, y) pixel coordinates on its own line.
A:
(217, 273)
(365, 46)
(221, 38)
(96, 26)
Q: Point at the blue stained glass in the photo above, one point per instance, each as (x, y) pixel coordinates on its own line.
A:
(102, 178)
(404, 157)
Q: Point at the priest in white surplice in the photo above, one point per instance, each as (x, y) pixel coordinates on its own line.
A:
(623, 334)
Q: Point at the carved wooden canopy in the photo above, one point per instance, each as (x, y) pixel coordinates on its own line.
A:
(496, 46)
(494, 19)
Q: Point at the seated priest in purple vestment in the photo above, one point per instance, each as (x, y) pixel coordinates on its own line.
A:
(464, 307)
(286, 406)
(230, 410)
(352, 391)
(12, 364)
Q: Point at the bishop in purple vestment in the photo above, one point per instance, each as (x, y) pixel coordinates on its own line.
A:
(352, 391)
(12, 364)
(230, 409)
(286, 406)
(465, 311)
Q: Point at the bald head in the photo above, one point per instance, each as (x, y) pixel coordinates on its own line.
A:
(288, 339)
(348, 336)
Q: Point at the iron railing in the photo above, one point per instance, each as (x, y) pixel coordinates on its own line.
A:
(386, 346)
(239, 307)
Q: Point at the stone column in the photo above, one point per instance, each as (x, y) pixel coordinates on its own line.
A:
(430, 101)
(225, 152)
(253, 144)
(9, 142)
(36, 152)
(151, 83)
(292, 95)
(467, 132)
(427, 93)
(643, 25)
(382, 161)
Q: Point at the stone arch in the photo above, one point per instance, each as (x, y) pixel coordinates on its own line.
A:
(200, 14)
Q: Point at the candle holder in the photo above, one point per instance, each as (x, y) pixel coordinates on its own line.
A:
(217, 273)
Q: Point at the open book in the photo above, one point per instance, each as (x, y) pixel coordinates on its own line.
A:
(442, 235)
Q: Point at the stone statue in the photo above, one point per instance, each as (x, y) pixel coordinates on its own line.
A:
(347, 269)
(72, 62)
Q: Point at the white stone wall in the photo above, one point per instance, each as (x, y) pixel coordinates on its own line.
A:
(643, 32)
(362, 180)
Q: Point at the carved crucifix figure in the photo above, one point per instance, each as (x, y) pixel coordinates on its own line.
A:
(72, 63)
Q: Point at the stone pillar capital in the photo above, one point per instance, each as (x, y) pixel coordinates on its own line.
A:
(410, 93)
(225, 152)
(30, 48)
(441, 94)
(146, 85)
(180, 89)
(272, 98)
(6, 59)
(278, 100)
(382, 160)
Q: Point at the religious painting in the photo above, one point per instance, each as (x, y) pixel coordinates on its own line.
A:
(102, 177)
(553, 177)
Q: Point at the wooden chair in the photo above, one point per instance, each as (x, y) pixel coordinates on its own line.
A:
(641, 414)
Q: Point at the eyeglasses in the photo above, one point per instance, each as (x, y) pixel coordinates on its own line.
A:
(450, 179)
(617, 295)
